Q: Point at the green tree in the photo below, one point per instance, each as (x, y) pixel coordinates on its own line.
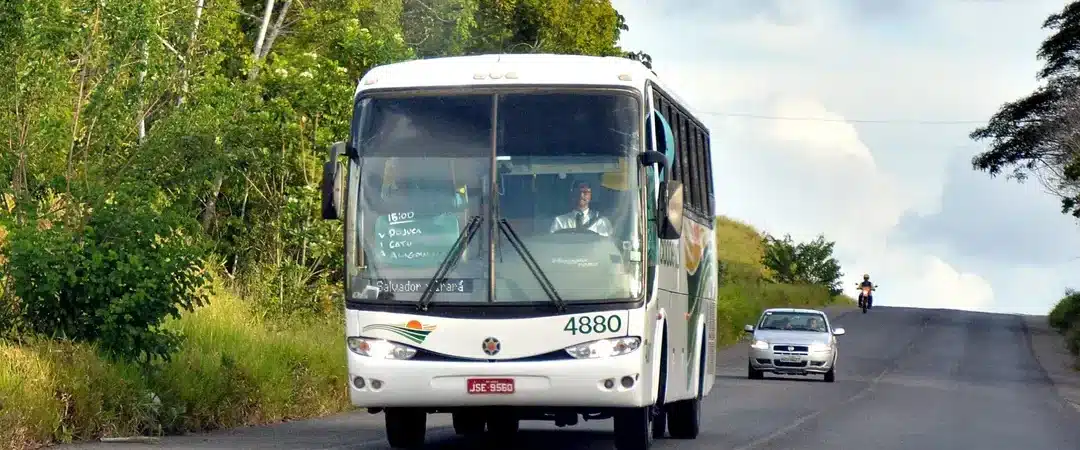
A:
(1040, 133)
(454, 27)
(802, 263)
(222, 108)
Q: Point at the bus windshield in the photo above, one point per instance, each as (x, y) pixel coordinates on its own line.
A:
(565, 195)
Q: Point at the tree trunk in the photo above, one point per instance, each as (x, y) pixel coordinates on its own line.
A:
(278, 24)
(142, 101)
(268, 12)
(210, 212)
(190, 50)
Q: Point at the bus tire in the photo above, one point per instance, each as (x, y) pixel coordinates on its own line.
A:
(502, 426)
(405, 427)
(633, 428)
(468, 424)
(660, 422)
(684, 416)
(659, 419)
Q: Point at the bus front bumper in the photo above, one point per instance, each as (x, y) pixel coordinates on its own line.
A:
(601, 382)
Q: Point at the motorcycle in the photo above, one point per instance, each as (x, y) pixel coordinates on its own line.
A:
(864, 296)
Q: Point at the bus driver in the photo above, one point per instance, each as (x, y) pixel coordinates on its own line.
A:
(581, 217)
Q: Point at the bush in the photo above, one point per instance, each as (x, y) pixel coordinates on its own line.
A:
(1072, 338)
(802, 263)
(1066, 312)
(110, 276)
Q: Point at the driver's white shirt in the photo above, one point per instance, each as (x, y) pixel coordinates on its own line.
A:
(601, 226)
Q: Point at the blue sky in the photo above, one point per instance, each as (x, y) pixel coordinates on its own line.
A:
(900, 199)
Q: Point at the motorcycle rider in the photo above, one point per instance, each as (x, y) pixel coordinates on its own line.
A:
(869, 297)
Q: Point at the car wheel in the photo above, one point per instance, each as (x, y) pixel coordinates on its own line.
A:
(752, 373)
(830, 376)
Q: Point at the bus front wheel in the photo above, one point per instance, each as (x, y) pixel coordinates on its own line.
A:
(633, 428)
(405, 427)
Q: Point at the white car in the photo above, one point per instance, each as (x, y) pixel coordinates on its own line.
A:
(790, 341)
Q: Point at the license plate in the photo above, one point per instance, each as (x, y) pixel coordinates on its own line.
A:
(490, 385)
(790, 358)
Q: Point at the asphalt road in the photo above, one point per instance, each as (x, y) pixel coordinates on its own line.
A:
(906, 379)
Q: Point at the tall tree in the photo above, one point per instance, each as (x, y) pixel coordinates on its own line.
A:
(1038, 134)
(806, 262)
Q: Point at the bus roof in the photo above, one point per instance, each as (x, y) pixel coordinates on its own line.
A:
(514, 69)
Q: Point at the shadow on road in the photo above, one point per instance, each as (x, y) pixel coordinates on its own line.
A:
(562, 439)
(774, 378)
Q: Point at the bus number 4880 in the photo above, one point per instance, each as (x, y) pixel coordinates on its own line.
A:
(594, 324)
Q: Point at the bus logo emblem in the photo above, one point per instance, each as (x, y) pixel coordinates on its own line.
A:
(492, 346)
(412, 330)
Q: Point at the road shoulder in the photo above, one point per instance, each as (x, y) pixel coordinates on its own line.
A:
(1049, 349)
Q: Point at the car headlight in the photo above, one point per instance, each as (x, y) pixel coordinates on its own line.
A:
(819, 347)
(379, 348)
(604, 348)
(760, 345)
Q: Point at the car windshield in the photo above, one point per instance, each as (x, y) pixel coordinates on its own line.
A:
(565, 196)
(795, 321)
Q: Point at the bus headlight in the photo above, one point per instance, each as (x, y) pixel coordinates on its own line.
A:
(379, 348)
(604, 348)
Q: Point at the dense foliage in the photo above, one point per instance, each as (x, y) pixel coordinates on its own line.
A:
(147, 142)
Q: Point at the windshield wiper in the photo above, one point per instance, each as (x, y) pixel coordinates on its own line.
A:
(530, 262)
(451, 260)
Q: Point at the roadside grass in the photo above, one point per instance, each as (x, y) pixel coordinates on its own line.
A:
(235, 369)
(238, 368)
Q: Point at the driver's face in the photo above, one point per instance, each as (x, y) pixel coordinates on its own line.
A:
(584, 196)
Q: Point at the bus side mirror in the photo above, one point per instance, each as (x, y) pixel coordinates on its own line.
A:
(670, 205)
(654, 158)
(333, 176)
(670, 209)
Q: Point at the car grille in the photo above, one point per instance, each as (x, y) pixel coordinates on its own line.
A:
(791, 348)
(779, 363)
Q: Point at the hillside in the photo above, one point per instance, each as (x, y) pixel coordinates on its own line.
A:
(744, 293)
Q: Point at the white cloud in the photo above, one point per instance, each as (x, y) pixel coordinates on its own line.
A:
(857, 182)
(926, 281)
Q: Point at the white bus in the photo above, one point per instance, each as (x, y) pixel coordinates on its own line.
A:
(474, 287)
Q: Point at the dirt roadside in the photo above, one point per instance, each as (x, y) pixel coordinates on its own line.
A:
(1049, 349)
